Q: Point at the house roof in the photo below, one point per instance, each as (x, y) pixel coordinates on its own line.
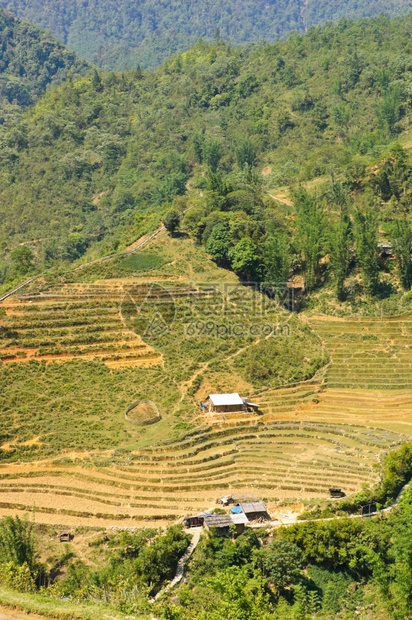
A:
(249, 507)
(218, 521)
(226, 399)
(239, 518)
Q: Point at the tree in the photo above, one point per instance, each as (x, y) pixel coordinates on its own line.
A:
(245, 153)
(219, 243)
(16, 542)
(23, 258)
(239, 596)
(171, 221)
(276, 258)
(198, 140)
(310, 231)
(245, 261)
(401, 237)
(366, 236)
(389, 110)
(282, 564)
(340, 238)
(97, 82)
(212, 153)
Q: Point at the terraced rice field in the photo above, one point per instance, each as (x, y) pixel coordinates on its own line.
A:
(72, 322)
(273, 459)
(370, 354)
(81, 321)
(310, 437)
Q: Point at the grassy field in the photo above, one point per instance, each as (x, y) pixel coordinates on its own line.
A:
(168, 326)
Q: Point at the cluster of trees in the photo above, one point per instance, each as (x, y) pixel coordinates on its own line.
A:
(31, 61)
(121, 35)
(100, 160)
(328, 236)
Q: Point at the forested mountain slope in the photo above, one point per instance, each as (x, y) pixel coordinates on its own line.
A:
(31, 60)
(101, 158)
(118, 34)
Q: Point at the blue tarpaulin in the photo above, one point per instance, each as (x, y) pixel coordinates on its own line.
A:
(236, 510)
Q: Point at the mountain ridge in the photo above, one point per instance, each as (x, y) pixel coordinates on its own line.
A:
(31, 60)
(121, 35)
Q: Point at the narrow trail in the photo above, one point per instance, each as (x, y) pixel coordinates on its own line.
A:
(285, 202)
(136, 245)
(180, 570)
(132, 248)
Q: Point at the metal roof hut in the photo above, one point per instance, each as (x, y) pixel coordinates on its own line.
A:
(251, 407)
(239, 521)
(221, 523)
(255, 511)
(224, 403)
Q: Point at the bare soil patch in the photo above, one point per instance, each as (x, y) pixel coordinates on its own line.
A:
(143, 413)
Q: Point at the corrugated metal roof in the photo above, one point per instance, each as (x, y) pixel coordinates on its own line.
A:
(239, 518)
(249, 507)
(226, 399)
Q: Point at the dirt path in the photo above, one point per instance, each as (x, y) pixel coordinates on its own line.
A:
(180, 570)
(12, 614)
(285, 202)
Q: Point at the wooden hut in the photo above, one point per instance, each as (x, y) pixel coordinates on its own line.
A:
(221, 523)
(224, 403)
(254, 510)
(239, 521)
(336, 493)
(195, 521)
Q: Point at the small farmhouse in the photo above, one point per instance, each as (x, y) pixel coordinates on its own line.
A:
(221, 523)
(239, 521)
(226, 403)
(195, 521)
(254, 510)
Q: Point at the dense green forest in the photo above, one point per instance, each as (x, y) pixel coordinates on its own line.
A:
(31, 60)
(119, 34)
(100, 160)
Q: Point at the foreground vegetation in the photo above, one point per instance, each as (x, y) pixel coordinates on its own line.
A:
(315, 570)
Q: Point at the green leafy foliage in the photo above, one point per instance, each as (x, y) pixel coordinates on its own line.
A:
(31, 61)
(116, 34)
(16, 541)
(171, 221)
(282, 564)
(134, 143)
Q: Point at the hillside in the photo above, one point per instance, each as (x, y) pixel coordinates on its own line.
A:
(117, 34)
(75, 357)
(235, 221)
(97, 162)
(31, 61)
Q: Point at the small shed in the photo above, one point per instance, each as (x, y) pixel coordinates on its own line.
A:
(65, 536)
(196, 521)
(235, 499)
(254, 510)
(385, 249)
(224, 403)
(251, 407)
(239, 520)
(221, 523)
(336, 493)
